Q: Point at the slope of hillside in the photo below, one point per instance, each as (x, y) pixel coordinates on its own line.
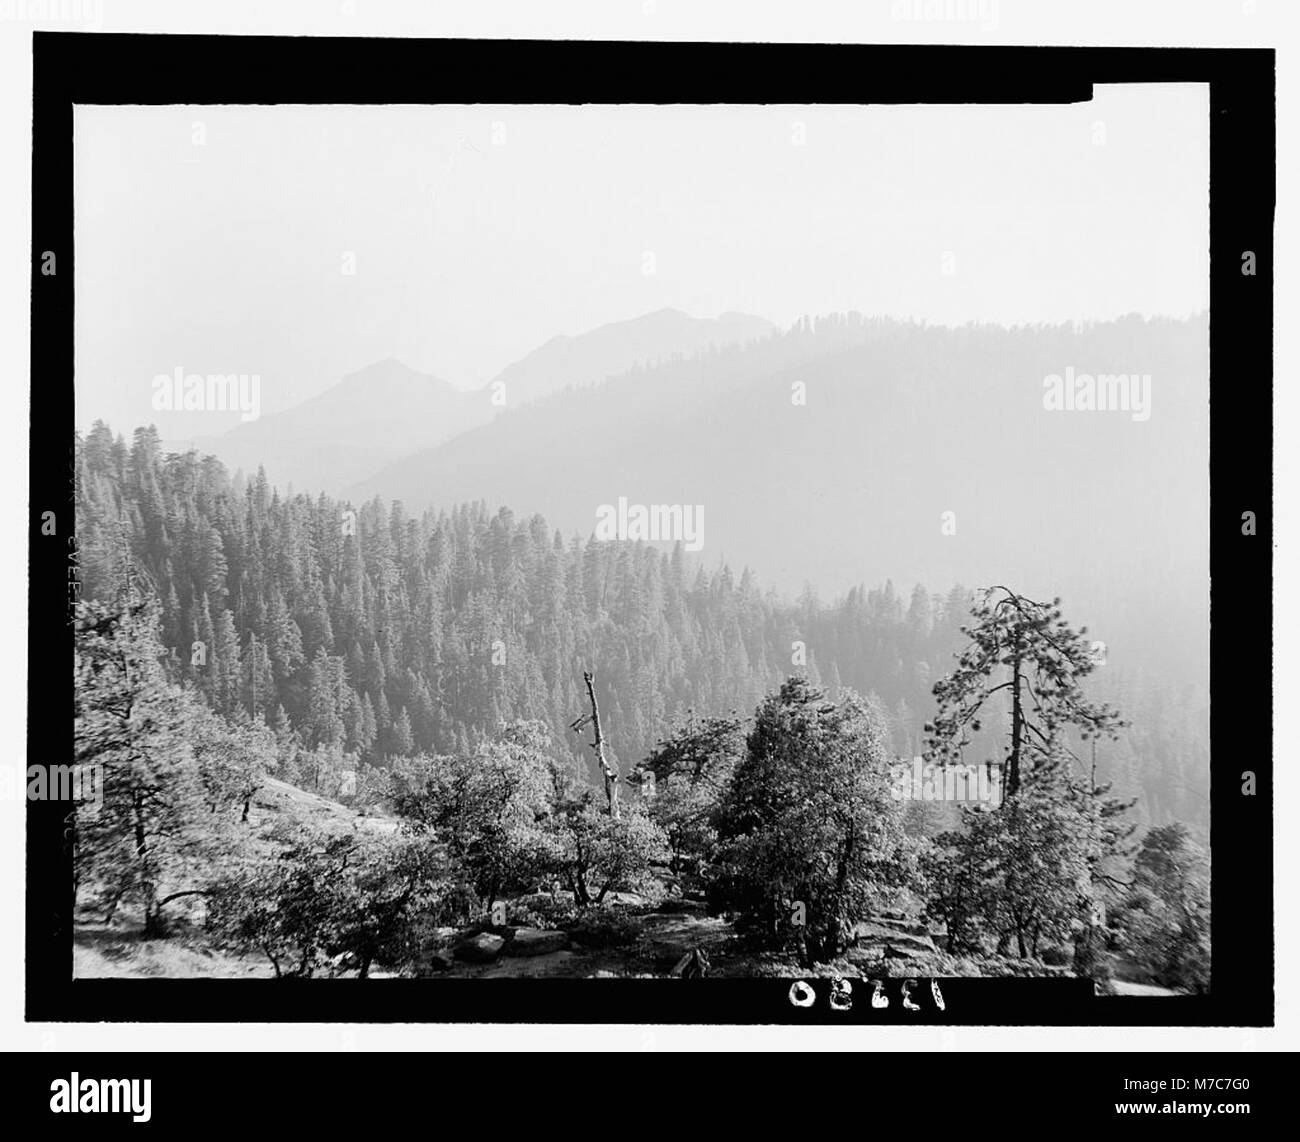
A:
(369, 418)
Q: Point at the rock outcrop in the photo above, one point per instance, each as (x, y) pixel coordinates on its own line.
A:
(480, 949)
(537, 942)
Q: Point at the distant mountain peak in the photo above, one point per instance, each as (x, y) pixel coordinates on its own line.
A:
(375, 415)
(388, 368)
(670, 311)
(614, 348)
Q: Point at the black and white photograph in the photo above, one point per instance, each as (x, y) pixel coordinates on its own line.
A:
(654, 541)
(562, 529)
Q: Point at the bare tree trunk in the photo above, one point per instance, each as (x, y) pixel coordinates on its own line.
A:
(152, 926)
(1017, 728)
(607, 771)
(275, 962)
(841, 883)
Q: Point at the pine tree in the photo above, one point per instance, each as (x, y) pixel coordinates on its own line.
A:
(130, 726)
(325, 719)
(400, 740)
(258, 683)
(1026, 649)
(225, 666)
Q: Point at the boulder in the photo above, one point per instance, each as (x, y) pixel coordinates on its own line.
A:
(438, 961)
(912, 927)
(908, 951)
(537, 942)
(628, 900)
(480, 927)
(916, 944)
(867, 933)
(680, 905)
(480, 949)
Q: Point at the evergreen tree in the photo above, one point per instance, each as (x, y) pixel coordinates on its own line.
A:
(1023, 648)
(1164, 924)
(810, 837)
(130, 726)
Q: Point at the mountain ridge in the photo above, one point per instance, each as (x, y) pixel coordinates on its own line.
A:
(902, 424)
(373, 416)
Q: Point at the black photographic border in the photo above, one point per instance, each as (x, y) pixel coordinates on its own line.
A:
(71, 68)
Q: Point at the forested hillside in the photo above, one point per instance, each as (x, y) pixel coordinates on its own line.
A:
(830, 452)
(361, 633)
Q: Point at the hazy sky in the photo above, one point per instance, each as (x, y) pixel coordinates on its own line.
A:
(215, 239)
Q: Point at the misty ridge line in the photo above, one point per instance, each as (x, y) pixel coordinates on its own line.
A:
(680, 335)
(732, 334)
(727, 371)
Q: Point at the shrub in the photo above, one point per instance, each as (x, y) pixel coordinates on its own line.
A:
(605, 928)
(690, 771)
(330, 903)
(542, 912)
(1057, 955)
(485, 806)
(592, 853)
